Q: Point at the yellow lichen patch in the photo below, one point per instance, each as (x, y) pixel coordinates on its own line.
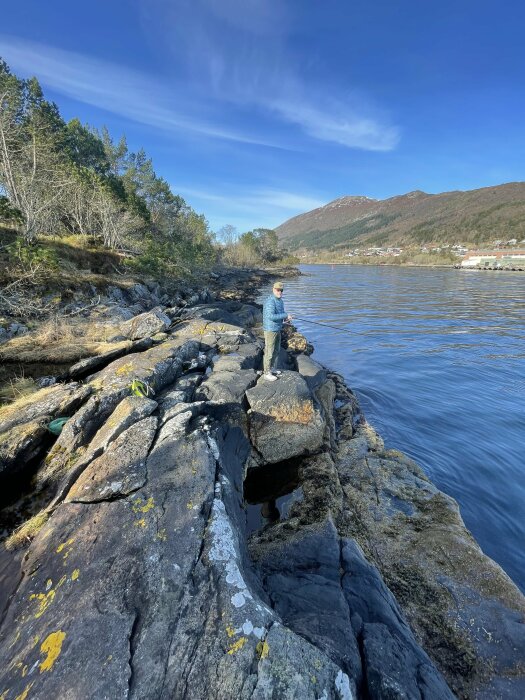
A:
(45, 600)
(52, 646)
(125, 369)
(49, 584)
(161, 535)
(35, 641)
(24, 672)
(108, 659)
(62, 546)
(189, 505)
(75, 574)
(303, 413)
(140, 507)
(62, 581)
(23, 695)
(96, 384)
(3, 696)
(238, 645)
(230, 631)
(140, 523)
(262, 649)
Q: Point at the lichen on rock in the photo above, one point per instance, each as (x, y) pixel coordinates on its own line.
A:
(139, 572)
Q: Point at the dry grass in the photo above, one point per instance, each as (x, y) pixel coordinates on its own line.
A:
(23, 535)
(17, 388)
(61, 340)
(10, 410)
(55, 330)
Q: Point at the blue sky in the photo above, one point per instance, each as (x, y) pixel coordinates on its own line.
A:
(258, 110)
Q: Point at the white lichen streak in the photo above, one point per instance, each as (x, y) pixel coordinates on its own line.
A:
(342, 685)
(223, 551)
(247, 628)
(114, 487)
(175, 427)
(212, 443)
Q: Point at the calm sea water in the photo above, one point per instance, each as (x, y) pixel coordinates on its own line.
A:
(437, 359)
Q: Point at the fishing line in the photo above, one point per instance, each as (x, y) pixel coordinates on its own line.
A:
(326, 325)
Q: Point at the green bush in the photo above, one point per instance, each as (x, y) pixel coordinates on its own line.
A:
(8, 213)
(28, 256)
(172, 259)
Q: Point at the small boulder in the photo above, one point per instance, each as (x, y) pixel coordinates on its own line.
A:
(284, 420)
(294, 341)
(147, 324)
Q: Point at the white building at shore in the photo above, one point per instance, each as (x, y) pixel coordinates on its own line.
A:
(494, 258)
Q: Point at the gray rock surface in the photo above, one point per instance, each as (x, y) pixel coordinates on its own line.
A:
(91, 364)
(140, 582)
(147, 324)
(229, 381)
(227, 312)
(121, 470)
(284, 421)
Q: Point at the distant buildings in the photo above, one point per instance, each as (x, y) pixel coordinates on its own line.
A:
(459, 249)
(371, 252)
(494, 259)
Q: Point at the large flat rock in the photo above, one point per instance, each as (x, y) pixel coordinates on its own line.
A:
(284, 421)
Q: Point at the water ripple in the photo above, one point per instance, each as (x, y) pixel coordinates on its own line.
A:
(455, 406)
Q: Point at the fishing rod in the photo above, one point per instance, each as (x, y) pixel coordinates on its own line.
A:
(325, 325)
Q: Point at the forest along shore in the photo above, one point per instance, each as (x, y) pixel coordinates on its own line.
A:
(126, 553)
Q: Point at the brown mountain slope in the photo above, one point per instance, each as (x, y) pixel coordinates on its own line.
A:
(473, 217)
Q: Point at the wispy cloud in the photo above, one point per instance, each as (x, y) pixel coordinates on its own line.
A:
(253, 207)
(286, 201)
(234, 63)
(244, 58)
(116, 89)
(343, 125)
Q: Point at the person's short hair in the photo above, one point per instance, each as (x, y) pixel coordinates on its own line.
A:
(278, 285)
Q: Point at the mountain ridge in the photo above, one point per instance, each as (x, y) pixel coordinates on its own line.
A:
(414, 218)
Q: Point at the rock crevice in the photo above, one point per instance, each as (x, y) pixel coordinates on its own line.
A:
(154, 590)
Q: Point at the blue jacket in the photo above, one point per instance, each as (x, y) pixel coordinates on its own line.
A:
(273, 314)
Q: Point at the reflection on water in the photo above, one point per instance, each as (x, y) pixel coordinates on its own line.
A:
(437, 359)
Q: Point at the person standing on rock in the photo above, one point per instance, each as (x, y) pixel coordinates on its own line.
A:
(273, 317)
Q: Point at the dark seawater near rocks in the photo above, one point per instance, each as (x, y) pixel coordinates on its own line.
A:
(140, 576)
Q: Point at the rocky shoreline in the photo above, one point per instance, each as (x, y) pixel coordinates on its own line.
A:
(138, 576)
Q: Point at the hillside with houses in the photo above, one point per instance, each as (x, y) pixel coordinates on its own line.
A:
(444, 226)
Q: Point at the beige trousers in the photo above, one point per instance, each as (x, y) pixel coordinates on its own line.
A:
(272, 345)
